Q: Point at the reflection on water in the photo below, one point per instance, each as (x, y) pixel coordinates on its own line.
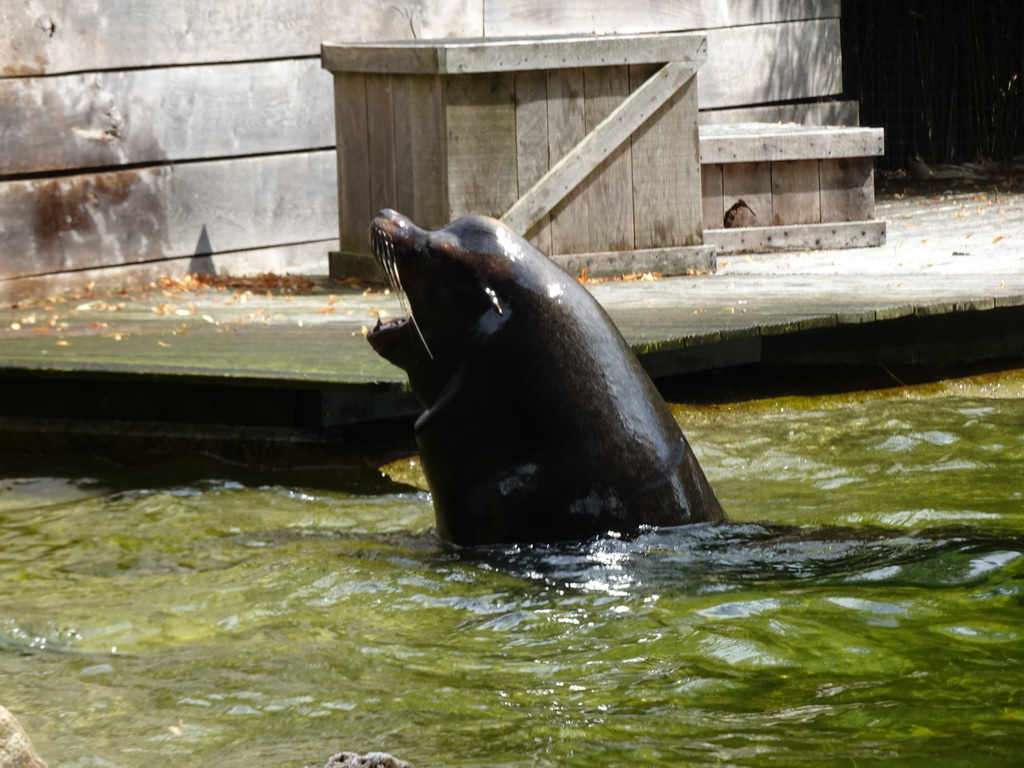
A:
(863, 608)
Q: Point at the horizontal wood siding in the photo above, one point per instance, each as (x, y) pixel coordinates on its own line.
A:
(138, 133)
(157, 115)
(758, 51)
(119, 217)
(771, 62)
(512, 18)
(90, 35)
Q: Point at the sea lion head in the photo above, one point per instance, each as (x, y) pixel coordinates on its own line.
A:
(462, 282)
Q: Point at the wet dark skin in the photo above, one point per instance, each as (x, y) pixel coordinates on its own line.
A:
(540, 425)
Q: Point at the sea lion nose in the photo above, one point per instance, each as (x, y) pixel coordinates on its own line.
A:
(395, 223)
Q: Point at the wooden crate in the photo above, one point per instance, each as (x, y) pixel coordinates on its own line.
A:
(809, 186)
(587, 145)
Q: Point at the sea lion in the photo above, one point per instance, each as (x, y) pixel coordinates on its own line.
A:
(540, 425)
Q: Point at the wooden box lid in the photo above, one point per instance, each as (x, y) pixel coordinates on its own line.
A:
(475, 55)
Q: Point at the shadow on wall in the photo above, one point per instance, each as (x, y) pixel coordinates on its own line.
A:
(201, 262)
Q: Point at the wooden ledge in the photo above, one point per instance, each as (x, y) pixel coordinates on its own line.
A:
(761, 142)
(468, 56)
(797, 237)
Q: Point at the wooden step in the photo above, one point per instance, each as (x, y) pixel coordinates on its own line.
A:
(806, 186)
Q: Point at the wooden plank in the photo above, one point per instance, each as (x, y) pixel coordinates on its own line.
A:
(380, 149)
(503, 18)
(532, 156)
(609, 188)
(483, 176)
(847, 189)
(138, 117)
(514, 18)
(845, 113)
(796, 197)
(92, 220)
(737, 13)
(760, 142)
(854, 234)
(353, 159)
(663, 261)
(752, 183)
(516, 54)
(88, 35)
(712, 200)
(567, 127)
(666, 174)
(771, 62)
(421, 168)
(618, 126)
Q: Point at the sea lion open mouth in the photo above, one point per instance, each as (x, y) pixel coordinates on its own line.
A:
(382, 244)
(539, 423)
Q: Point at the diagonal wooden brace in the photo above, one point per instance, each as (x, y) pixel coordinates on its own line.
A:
(606, 137)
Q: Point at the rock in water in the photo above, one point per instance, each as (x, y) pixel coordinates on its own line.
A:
(15, 747)
(369, 760)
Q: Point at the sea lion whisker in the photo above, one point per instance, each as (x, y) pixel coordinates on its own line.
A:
(416, 325)
(383, 247)
(399, 290)
(394, 276)
(384, 254)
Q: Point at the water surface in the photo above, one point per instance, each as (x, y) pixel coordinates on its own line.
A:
(864, 608)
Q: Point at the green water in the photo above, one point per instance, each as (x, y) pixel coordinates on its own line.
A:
(865, 608)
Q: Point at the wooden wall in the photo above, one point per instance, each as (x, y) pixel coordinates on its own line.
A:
(140, 137)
